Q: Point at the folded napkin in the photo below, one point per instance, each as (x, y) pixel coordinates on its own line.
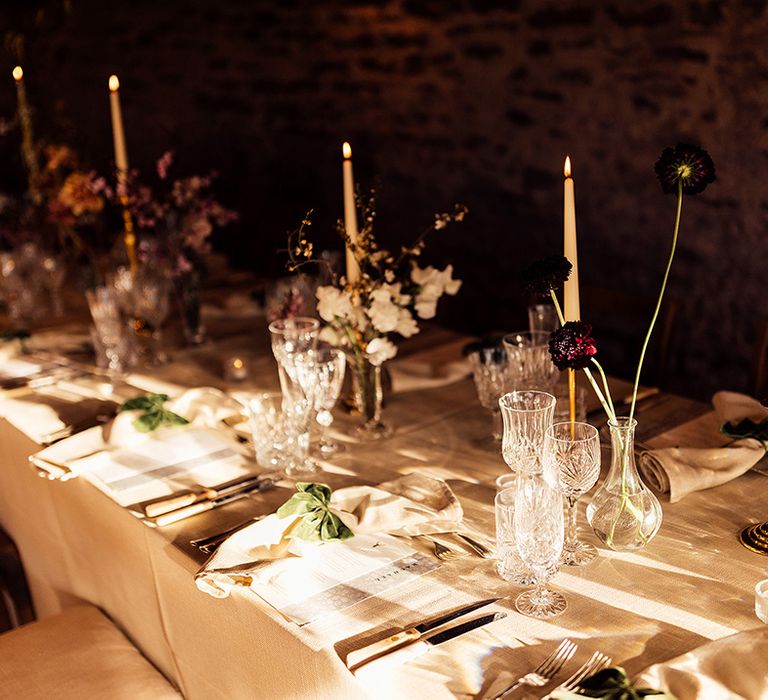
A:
(683, 470)
(202, 407)
(412, 504)
(48, 413)
(415, 375)
(733, 668)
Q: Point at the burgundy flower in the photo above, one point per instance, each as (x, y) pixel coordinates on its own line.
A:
(572, 346)
(545, 275)
(690, 165)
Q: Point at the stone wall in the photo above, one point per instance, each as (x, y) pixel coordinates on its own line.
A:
(476, 101)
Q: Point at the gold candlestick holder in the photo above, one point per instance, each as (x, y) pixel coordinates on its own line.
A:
(129, 237)
(755, 538)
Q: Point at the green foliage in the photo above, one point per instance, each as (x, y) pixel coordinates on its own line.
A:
(318, 523)
(747, 429)
(610, 684)
(153, 414)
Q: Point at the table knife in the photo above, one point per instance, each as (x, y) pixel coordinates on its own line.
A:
(361, 656)
(166, 504)
(201, 507)
(409, 651)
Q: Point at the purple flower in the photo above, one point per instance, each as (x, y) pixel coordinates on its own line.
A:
(545, 275)
(572, 346)
(687, 164)
(163, 164)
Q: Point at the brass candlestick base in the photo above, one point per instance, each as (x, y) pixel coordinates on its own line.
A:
(755, 538)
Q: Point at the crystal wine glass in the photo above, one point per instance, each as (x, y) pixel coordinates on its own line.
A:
(572, 463)
(55, 272)
(151, 294)
(526, 415)
(109, 325)
(330, 364)
(490, 370)
(539, 538)
(530, 365)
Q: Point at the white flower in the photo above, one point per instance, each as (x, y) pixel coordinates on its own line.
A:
(382, 311)
(406, 324)
(379, 350)
(332, 336)
(332, 303)
(432, 284)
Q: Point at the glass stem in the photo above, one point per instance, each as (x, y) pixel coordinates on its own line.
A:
(570, 535)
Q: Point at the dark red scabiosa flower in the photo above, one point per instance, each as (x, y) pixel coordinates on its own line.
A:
(547, 274)
(572, 346)
(686, 164)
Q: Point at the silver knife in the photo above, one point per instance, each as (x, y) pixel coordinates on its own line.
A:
(166, 504)
(410, 651)
(361, 656)
(202, 506)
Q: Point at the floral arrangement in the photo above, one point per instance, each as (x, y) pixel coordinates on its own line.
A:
(683, 170)
(179, 214)
(389, 294)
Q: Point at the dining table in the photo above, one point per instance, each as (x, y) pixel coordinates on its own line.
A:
(692, 584)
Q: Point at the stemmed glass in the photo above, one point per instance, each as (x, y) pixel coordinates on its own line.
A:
(110, 329)
(151, 294)
(530, 365)
(330, 364)
(539, 538)
(572, 463)
(489, 370)
(294, 341)
(55, 272)
(526, 415)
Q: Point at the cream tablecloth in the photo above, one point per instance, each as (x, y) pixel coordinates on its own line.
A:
(692, 584)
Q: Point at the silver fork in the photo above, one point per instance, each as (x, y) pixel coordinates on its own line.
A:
(442, 552)
(546, 670)
(595, 663)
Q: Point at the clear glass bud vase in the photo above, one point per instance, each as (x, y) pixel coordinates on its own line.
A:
(624, 512)
(368, 394)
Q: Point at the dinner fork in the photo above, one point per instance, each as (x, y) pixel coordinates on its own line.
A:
(442, 552)
(595, 663)
(546, 670)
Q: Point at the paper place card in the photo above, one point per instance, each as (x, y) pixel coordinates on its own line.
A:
(336, 575)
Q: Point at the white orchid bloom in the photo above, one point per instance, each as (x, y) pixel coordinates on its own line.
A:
(406, 324)
(379, 350)
(432, 284)
(332, 303)
(383, 312)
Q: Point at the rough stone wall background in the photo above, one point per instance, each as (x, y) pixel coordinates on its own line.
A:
(475, 101)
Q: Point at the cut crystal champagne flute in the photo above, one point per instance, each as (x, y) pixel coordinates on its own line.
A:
(539, 538)
(572, 463)
(526, 416)
(151, 292)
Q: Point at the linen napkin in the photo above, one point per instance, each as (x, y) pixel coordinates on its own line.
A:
(202, 407)
(412, 504)
(412, 374)
(733, 668)
(683, 470)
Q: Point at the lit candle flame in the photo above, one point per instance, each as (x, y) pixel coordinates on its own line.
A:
(237, 364)
(567, 166)
(18, 73)
(346, 151)
(114, 83)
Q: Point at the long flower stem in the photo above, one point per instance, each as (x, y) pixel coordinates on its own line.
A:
(605, 383)
(608, 407)
(661, 297)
